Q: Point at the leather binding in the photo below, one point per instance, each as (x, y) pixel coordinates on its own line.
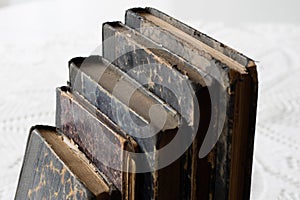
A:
(84, 73)
(128, 49)
(54, 168)
(238, 76)
(96, 135)
(98, 121)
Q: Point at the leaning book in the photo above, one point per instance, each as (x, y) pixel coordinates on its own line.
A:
(54, 168)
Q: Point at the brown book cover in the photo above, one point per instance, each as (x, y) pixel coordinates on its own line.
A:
(54, 168)
(235, 72)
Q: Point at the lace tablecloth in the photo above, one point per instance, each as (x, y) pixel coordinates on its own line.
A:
(36, 45)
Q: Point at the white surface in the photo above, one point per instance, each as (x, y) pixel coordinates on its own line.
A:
(35, 46)
(234, 12)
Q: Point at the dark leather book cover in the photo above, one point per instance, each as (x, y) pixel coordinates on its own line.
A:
(234, 71)
(54, 168)
(130, 51)
(94, 79)
(117, 95)
(102, 141)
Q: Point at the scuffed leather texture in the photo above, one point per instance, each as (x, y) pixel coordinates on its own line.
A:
(31, 68)
(45, 176)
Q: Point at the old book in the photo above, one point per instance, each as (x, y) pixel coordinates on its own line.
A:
(102, 141)
(94, 78)
(54, 168)
(130, 51)
(236, 72)
(109, 89)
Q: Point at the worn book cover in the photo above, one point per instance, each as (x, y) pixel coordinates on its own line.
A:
(235, 72)
(54, 168)
(105, 144)
(94, 78)
(176, 82)
(119, 97)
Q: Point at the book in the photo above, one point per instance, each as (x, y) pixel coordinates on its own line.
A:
(109, 89)
(102, 141)
(167, 113)
(54, 168)
(236, 72)
(85, 80)
(129, 50)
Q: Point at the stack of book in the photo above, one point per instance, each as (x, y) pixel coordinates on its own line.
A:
(166, 112)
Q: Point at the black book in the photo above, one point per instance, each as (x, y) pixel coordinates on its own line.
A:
(94, 78)
(176, 82)
(54, 168)
(104, 143)
(237, 75)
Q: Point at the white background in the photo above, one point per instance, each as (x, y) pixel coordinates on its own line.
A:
(37, 38)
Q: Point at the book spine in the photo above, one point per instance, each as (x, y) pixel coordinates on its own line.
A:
(44, 175)
(244, 116)
(251, 127)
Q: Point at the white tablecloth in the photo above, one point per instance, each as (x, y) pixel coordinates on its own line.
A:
(35, 46)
